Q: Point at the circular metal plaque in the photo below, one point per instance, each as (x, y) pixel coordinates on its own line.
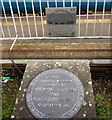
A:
(55, 93)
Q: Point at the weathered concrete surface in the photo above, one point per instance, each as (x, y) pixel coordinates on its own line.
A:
(81, 69)
(62, 49)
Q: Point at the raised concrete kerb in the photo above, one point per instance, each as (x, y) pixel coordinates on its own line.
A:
(80, 69)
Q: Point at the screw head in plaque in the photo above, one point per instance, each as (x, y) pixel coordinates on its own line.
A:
(55, 93)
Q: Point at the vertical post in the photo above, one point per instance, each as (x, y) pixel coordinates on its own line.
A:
(56, 3)
(63, 3)
(79, 16)
(41, 17)
(87, 17)
(13, 17)
(34, 19)
(20, 17)
(103, 17)
(109, 30)
(2, 30)
(6, 19)
(27, 19)
(47, 3)
(95, 18)
(71, 3)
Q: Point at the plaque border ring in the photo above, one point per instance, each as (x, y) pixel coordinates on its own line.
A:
(72, 112)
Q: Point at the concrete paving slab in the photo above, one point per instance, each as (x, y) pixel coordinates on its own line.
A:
(81, 69)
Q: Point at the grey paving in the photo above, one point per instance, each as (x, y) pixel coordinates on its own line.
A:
(81, 69)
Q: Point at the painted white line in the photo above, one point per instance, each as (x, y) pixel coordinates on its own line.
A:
(58, 38)
(25, 61)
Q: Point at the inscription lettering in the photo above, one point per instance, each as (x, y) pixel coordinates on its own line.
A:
(54, 94)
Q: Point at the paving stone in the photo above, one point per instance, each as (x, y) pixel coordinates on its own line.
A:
(81, 69)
